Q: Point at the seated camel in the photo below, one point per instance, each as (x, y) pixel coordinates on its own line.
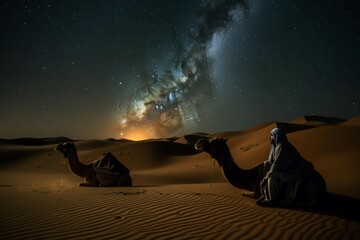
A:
(310, 192)
(106, 171)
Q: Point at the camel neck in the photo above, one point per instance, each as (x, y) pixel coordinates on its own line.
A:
(236, 176)
(75, 165)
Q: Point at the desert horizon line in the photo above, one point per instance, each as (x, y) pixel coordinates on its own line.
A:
(326, 120)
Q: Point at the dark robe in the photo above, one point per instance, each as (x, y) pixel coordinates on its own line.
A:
(284, 169)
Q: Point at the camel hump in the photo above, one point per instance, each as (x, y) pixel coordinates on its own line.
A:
(109, 164)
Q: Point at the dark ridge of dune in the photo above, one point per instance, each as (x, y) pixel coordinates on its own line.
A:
(352, 122)
(10, 156)
(163, 148)
(125, 140)
(56, 140)
(35, 141)
(318, 120)
(228, 134)
(244, 131)
(292, 127)
(172, 139)
(201, 133)
(113, 140)
(328, 120)
(191, 139)
(93, 143)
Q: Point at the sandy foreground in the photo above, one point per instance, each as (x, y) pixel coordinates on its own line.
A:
(172, 197)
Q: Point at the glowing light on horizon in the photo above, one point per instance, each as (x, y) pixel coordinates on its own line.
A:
(137, 134)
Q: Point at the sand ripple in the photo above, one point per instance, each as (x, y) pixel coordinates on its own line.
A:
(173, 212)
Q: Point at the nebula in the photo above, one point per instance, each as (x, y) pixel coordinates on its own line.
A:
(167, 104)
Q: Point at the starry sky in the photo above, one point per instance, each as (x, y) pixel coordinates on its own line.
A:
(159, 68)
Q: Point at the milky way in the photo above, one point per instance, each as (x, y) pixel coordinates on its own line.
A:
(167, 104)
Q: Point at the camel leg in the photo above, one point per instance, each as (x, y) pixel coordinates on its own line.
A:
(250, 194)
(85, 184)
(124, 181)
(90, 180)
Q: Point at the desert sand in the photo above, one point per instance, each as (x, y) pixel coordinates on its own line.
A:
(174, 195)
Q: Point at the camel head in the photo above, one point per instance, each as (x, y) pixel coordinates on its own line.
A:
(214, 146)
(65, 148)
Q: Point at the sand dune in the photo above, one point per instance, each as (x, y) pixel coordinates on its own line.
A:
(352, 122)
(172, 197)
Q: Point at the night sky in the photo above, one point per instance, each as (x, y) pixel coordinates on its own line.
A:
(160, 68)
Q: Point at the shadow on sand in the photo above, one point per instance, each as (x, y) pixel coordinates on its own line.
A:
(337, 205)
